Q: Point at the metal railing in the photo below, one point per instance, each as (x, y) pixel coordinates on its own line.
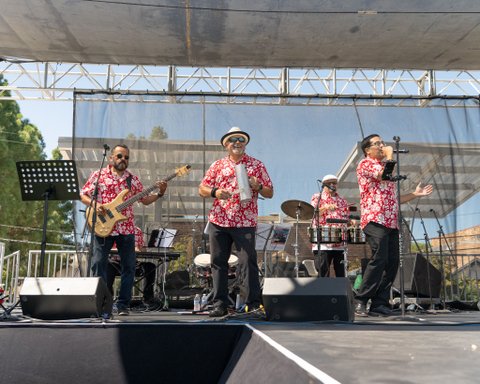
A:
(9, 276)
(64, 264)
(58, 263)
(460, 272)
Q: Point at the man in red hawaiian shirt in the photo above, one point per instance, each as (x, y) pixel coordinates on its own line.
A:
(379, 221)
(329, 205)
(232, 221)
(112, 180)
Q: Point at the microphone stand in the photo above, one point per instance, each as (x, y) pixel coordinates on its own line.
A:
(428, 249)
(318, 229)
(398, 178)
(93, 205)
(405, 223)
(441, 235)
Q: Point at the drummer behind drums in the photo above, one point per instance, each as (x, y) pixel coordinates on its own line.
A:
(329, 205)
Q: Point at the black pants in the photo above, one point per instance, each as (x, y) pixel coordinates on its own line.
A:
(382, 266)
(144, 270)
(221, 241)
(324, 260)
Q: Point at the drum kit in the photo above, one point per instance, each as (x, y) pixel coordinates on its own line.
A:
(336, 231)
(299, 210)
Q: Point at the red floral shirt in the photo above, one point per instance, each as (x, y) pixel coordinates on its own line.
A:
(378, 198)
(341, 212)
(232, 213)
(110, 185)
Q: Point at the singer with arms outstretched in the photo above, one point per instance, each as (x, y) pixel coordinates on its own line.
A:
(379, 221)
(112, 180)
(329, 205)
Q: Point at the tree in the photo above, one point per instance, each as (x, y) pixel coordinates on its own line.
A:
(21, 222)
(158, 133)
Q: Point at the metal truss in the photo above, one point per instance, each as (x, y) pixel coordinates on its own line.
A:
(295, 86)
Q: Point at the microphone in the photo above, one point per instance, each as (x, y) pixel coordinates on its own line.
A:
(106, 147)
(401, 151)
(333, 189)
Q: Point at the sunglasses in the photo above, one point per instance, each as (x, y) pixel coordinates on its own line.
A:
(120, 156)
(240, 139)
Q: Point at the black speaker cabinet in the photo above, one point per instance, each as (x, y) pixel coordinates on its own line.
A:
(421, 277)
(55, 298)
(308, 299)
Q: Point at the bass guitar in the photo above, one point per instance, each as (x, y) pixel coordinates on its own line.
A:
(113, 210)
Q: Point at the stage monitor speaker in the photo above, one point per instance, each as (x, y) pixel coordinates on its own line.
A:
(56, 298)
(308, 299)
(416, 277)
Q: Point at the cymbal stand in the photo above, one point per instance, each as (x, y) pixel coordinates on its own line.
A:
(316, 220)
(441, 236)
(295, 246)
(428, 250)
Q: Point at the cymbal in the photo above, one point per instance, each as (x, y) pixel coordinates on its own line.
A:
(290, 208)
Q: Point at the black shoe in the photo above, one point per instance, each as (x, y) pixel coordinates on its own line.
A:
(380, 310)
(361, 309)
(218, 312)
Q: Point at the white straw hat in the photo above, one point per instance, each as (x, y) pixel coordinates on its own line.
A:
(235, 131)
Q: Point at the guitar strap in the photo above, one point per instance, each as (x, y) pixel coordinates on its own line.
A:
(129, 182)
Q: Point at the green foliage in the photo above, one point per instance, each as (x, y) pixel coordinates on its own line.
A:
(182, 245)
(158, 133)
(21, 222)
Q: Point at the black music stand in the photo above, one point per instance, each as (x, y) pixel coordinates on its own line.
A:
(47, 180)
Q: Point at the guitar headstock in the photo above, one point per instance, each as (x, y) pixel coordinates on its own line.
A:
(183, 170)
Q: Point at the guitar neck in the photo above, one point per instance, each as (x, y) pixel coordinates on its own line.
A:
(142, 194)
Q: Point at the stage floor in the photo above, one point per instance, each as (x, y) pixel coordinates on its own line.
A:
(427, 347)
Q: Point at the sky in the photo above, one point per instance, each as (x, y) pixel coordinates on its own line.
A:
(55, 119)
(52, 118)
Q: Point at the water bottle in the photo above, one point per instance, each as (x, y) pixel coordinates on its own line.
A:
(238, 302)
(196, 303)
(358, 281)
(204, 302)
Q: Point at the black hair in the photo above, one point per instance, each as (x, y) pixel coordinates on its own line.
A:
(365, 143)
(120, 145)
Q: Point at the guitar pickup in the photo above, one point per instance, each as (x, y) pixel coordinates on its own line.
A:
(102, 218)
(110, 214)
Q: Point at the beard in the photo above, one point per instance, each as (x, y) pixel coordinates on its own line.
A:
(120, 166)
